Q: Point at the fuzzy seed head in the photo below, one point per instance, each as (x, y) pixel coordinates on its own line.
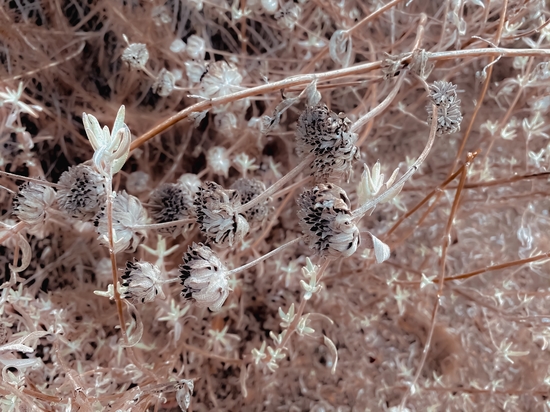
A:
(170, 202)
(32, 202)
(326, 134)
(215, 209)
(82, 192)
(142, 281)
(326, 221)
(444, 96)
(204, 277)
(128, 212)
(249, 189)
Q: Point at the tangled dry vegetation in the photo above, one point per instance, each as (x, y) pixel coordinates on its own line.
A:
(266, 198)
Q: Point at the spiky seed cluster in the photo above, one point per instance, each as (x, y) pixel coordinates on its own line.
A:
(444, 96)
(82, 192)
(215, 208)
(142, 282)
(204, 277)
(326, 221)
(128, 213)
(327, 135)
(32, 202)
(249, 189)
(170, 202)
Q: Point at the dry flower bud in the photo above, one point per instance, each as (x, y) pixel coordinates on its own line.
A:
(142, 281)
(137, 182)
(215, 209)
(127, 213)
(204, 277)
(248, 189)
(136, 55)
(443, 95)
(288, 15)
(32, 202)
(196, 47)
(82, 192)
(218, 161)
(340, 47)
(326, 221)
(164, 83)
(326, 134)
(171, 202)
(191, 181)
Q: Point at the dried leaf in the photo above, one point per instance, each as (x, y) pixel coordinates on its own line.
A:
(332, 348)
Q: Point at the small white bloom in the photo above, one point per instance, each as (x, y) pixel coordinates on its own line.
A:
(178, 46)
(111, 148)
(164, 83)
(32, 203)
(221, 79)
(196, 47)
(218, 161)
(136, 55)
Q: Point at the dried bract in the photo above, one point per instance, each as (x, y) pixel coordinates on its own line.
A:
(171, 202)
(327, 135)
(142, 282)
(248, 189)
(82, 192)
(32, 202)
(204, 277)
(127, 214)
(136, 55)
(215, 209)
(326, 221)
(444, 96)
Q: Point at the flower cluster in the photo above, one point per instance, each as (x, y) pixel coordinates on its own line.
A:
(326, 221)
(444, 96)
(82, 192)
(327, 135)
(215, 208)
(170, 202)
(204, 277)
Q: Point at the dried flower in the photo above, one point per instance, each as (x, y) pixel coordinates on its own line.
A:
(164, 83)
(171, 202)
(128, 217)
(326, 134)
(340, 47)
(221, 79)
(32, 202)
(248, 189)
(196, 47)
(218, 161)
(288, 15)
(136, 55)
(111, 148)
(204, 277)
(215, 209)
(326, 221)
(443, 95)
(82, 192)
(137, 182)
(142, 281)
(191, 181)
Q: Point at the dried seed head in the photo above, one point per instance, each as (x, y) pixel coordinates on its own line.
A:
(326, 221)
(164, 83)
(326, 134)
(248, 189)
(170, 202)
(288, 15)
(191, 182)
(142, 281)
(204, 277)
(215, 209)
(127, 213)
(137, 182)
(82, 192)
(32, 202)
(443, 95)
(136, 55)
(221, 79)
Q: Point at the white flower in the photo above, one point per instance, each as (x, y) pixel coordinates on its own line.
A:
(136, 55)
(164, 83)
(32, 203)
(128, 217)
(196, 47)
(111, 148)
(218, 160)
(204, 277)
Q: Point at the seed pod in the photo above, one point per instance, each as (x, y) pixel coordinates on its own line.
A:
(170, 202)
(443, 95)
(249, 189)
(142, 282)
(82, 192)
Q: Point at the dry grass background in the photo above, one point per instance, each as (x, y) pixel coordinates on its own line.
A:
(483, 331)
